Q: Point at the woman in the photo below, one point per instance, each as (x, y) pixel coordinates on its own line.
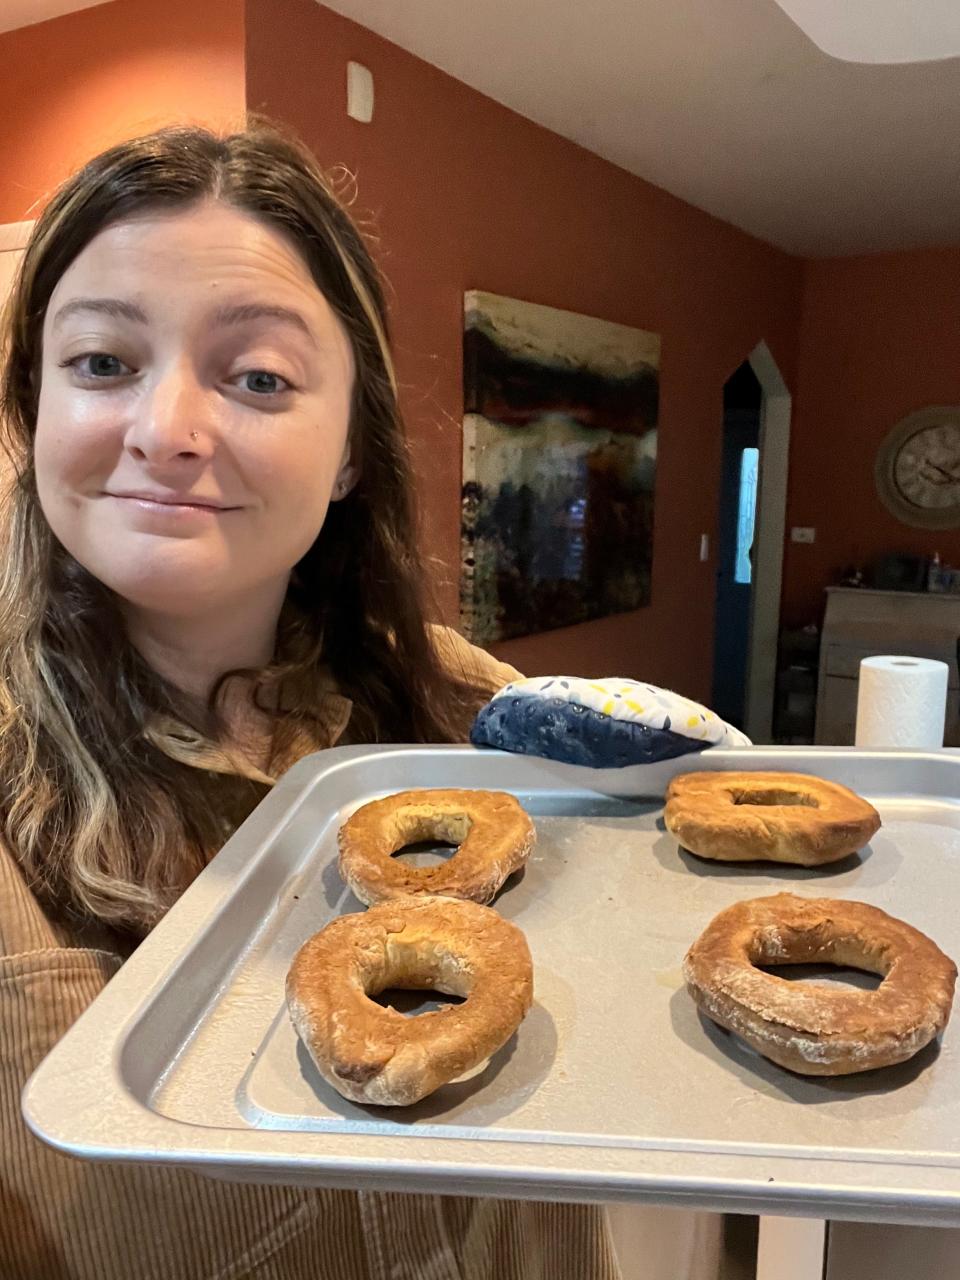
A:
(209, 570)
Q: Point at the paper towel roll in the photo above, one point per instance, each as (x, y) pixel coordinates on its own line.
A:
(901, 702)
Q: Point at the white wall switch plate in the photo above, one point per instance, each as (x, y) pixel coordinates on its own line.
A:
(359, 92)
(800, 533)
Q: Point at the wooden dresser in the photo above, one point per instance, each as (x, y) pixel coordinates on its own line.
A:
(860, 623)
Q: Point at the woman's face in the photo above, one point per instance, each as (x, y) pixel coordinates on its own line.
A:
(194, 409)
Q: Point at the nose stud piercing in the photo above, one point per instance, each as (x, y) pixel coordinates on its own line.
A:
(194, 435)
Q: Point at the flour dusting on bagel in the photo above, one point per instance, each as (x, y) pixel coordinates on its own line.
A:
(771, 816)
(813, 1028)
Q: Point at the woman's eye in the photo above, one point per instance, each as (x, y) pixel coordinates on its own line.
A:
(264, 383)
(98, 365)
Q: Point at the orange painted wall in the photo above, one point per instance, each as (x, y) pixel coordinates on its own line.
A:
(467, 194)
(879, 338)
(78, 83)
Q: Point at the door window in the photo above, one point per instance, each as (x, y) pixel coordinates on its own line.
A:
(746, 515)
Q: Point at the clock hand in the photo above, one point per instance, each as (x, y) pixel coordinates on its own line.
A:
(949, 477)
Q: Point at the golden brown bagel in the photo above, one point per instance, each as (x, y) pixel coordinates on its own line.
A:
(494, 833)
(376, 1055)
(821, 1030)
(780, 817)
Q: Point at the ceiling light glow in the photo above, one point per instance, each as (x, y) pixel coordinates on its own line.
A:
(884, 31)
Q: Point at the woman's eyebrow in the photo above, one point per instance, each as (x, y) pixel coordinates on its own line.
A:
(237, 313)
(115, 307)
(243, 312)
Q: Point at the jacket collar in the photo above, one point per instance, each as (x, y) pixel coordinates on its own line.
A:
(181, 743)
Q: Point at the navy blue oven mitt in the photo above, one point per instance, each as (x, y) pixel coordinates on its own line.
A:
(603, 724)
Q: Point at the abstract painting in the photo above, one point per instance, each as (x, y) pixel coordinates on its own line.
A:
(559, 463)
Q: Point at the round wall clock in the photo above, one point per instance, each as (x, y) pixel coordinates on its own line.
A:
(918, 469)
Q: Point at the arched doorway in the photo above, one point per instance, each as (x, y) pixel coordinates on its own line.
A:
(750, 541)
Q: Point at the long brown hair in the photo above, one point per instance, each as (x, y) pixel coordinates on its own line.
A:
(93, 802)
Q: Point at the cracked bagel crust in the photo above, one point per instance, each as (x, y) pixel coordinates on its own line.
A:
(376, 1055)
(817, 1029)
(495, 835)
(776, 817)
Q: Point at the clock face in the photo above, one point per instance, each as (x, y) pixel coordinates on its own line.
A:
(926, 468)
(918, 469)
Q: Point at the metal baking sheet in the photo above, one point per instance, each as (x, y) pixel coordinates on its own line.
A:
(613, 1088)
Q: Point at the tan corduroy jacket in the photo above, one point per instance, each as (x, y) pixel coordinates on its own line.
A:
(64, 1219)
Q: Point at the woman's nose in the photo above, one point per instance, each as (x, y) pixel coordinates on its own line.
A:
(172, 419)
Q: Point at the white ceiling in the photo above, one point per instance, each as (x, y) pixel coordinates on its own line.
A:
(725, 103)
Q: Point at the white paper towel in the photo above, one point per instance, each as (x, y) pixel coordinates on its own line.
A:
(901, 702)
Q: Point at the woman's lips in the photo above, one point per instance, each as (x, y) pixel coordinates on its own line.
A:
(170, 499)
(170, 506)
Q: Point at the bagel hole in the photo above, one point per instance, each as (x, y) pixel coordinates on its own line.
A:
(411, 1003)
(427, 853)
(820, 975)
(770, 796)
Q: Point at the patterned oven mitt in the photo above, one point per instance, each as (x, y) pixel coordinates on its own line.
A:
(604, 723)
